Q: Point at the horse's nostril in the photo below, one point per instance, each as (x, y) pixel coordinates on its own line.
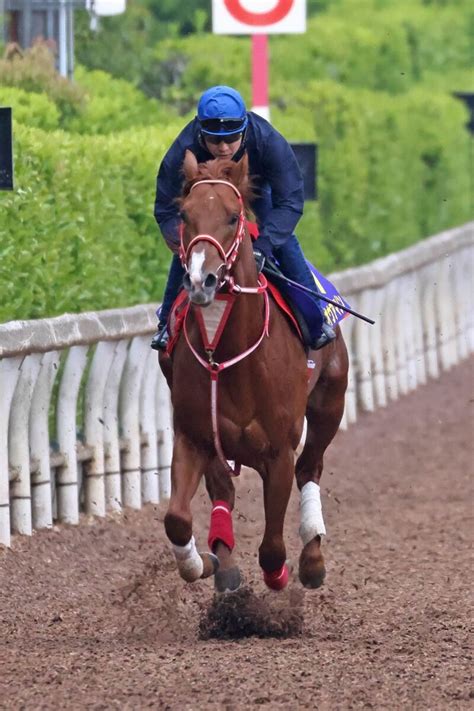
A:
(210, 281)
(187, 281)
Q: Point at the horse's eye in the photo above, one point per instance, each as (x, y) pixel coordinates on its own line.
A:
(233, 220)
(183, 215)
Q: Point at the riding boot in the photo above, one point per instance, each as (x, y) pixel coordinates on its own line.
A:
(293, 265)
(175, 281)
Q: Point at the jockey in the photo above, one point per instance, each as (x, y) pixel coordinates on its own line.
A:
(224, 129)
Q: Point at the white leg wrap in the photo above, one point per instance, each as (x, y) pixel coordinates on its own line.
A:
(312, 522)
(189, 561)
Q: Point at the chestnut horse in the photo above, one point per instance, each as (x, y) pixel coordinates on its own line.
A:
(239, 390)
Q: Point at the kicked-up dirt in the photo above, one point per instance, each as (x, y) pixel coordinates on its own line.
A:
(96, 616)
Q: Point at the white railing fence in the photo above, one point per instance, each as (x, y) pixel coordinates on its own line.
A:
(85, 417)
(422, 300)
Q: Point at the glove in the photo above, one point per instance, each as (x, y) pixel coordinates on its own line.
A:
(263, 245)
(262, 250)
(259, 259)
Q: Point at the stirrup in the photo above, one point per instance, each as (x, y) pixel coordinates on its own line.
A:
(327, 336)
(160, 340)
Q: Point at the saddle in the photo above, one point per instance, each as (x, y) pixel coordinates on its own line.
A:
(300, 306)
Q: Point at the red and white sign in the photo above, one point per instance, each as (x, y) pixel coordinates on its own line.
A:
(247, 17)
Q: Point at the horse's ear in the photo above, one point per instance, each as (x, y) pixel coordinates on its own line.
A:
(190, 165)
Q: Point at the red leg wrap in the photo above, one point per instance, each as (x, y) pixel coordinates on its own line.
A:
(278, 579)
(221, 525)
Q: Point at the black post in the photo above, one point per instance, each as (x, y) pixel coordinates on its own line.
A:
(468, 99)
(307, 157)
(6, 149)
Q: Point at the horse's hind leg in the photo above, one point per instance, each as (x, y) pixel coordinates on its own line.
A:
(323, 413)
(221, 535)
(187, 467)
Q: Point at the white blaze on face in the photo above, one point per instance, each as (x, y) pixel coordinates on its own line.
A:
(195, 268)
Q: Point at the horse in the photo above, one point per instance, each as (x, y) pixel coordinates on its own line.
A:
(240, 392)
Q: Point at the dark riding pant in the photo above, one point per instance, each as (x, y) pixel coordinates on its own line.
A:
(293, 264)
(173, 285)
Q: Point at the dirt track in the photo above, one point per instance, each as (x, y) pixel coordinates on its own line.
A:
(96, 617)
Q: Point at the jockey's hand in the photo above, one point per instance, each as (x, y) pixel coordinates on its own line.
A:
(259, 259)
(262, 250)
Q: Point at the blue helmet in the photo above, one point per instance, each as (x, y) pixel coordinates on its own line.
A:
(221, 111)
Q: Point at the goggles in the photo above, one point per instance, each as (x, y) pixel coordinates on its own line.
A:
(216, 126)
(215, 140)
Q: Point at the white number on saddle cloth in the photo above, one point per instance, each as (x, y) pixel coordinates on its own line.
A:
(312, 522)
(213, 319)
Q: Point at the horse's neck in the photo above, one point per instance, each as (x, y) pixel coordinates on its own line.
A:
(245, 271)
(247, 315)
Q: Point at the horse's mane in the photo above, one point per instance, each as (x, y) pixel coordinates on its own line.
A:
(222, 170)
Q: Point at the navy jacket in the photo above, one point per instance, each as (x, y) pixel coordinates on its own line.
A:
(277, 180)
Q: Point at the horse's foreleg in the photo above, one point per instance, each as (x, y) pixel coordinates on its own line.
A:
(277, 483)
(186, 470)
(221, 491)
(324, 413)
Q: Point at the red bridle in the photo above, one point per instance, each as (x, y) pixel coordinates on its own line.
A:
(229, 257)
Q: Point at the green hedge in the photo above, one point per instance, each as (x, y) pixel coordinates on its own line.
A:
(78, 231)
(390, 50)
(112, 105)
(372, 43)
(94, 103)
(392, 170)
(34, 71)
(31, 109)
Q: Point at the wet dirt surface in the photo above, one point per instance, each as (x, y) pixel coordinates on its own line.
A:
(96, 616)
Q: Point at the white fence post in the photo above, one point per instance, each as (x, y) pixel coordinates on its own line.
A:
(113, 478)
(389, 340)
(165, 433)
(362, 342)
(350, 406)
(377, 355)
(9, 372)
(41, 490)
(446, 316)
(150, 483)
(129, 408)
(94, 471)
(18, 446)
(428, 310)
(67, 479)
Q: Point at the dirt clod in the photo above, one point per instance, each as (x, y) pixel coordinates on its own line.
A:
(246, 614)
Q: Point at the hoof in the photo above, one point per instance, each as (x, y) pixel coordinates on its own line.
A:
(210, 563)
(311, 568)
(227, 580)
